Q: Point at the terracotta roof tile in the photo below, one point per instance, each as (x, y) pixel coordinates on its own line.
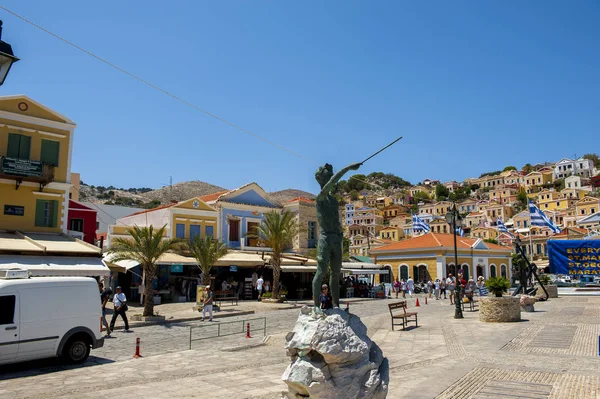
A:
(302, 199)
(432, 240)
(213, 196)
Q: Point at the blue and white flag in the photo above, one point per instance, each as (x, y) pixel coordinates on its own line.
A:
(502, 228)
(460, 231)
(420, 225)
(539, 219)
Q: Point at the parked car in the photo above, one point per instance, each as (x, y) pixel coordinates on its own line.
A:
(43, 317)
(563, 281)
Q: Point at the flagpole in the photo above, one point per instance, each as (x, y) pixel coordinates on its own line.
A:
(530, 241)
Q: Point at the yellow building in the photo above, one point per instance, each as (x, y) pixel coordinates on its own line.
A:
(431, 256)
(573, 193)
(558, 204)
(36, 146)
(391, 233)
(586, 207)
(185, 220)
(485, 233)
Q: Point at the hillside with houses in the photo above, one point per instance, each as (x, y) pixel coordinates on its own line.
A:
(567, 191)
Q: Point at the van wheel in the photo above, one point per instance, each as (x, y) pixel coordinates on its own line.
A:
(77, 350)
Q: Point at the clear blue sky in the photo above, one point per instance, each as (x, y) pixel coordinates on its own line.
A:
(472, 86)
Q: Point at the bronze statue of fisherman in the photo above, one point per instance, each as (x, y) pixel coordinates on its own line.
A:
(329, 249)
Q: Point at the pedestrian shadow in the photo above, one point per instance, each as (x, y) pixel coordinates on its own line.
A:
(46, 366)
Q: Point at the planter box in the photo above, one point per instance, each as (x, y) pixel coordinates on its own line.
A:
(499, 310)
(552, 291)
(138, 317)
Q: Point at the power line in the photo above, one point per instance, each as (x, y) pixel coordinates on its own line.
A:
(168, 93)
(152, 85)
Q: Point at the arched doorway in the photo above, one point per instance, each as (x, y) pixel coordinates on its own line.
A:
(386, 277)
(423, 273)
(466, 271)
(451, 269)
(415, 273)
(404, 272)
(479, 270)
(503, 271)
(492, 270)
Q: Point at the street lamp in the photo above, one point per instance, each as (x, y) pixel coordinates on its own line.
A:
(7, 58)
(453, 219)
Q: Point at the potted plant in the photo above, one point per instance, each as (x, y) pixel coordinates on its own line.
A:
(499, 308)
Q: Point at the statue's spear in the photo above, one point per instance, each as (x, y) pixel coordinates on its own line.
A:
(384, 148)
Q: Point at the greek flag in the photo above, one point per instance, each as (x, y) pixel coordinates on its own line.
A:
(538, 218)
(502, 228)
(420, 225)
(460, 231)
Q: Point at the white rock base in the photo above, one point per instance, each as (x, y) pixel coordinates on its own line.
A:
(333, 358)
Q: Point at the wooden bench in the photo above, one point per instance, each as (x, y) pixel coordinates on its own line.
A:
(402, 315)
(228, 295)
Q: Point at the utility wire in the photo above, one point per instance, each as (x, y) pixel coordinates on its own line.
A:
(168, 93)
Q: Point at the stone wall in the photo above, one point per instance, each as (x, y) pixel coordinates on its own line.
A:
(499, 310)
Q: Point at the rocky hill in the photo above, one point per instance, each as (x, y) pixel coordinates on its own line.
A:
(181, 191)
(284, 196)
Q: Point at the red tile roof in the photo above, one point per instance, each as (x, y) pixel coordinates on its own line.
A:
(302, 199)
(213, 196)
(432, 240)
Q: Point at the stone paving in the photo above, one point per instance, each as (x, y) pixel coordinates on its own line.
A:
(443, 358)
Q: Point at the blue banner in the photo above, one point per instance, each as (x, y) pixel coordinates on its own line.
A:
(574, 257)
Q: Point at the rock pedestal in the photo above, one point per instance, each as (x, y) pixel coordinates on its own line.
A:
(333, 358)
(499, 309)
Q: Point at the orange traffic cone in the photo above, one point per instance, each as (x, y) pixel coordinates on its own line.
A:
(417, 303)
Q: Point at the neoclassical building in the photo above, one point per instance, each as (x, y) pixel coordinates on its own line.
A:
(432, 256)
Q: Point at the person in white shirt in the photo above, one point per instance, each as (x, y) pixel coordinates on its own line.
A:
(410, 286)
(259, 287)
(224, 285)
(437, 284)
(120, 302)
(450, 286)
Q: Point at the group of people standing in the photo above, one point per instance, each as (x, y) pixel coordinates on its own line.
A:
(444, 286)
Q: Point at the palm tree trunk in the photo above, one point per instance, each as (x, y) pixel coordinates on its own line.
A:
(206, 277)
(149, 293)
(276, 274)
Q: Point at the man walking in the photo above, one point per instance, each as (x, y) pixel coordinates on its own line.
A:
(120, 302)
(259, 287)
(207, 304)
(450, 285)
(410, 286)
(104, 297)
(437, 288)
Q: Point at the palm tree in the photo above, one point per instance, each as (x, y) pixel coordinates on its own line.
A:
(277, 232)
(207, 251)
(145, 246)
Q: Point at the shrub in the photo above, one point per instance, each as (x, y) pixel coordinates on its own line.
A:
(498, 285)
(545, 279)
(267, 295)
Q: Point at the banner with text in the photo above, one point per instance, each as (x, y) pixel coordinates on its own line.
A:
(574, 257)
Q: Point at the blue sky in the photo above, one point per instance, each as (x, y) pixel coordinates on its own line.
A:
(472, 86)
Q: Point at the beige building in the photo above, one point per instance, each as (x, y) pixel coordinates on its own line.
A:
(306, 218)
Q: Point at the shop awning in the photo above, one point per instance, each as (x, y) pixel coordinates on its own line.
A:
(56, 265)
(298, 269)
(365, 271)
(360, 265)
(241, 259)
(121, 266)
(175, 259)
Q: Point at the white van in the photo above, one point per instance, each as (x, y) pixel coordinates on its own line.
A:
(43, 317)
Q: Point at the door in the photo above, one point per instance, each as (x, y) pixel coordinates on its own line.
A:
(9, 327)
(252, 241)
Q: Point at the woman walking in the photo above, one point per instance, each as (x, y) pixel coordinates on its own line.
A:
(396, 287)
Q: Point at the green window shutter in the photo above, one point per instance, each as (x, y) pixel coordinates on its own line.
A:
(39, 213)
(25, 147)
(50, 152)
(13, 145)
(54, 215)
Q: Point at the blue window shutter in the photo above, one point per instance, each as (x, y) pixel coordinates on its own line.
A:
(194, 231)
(180, 230)
(210, 231)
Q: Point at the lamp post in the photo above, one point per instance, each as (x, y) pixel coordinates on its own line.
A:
(7, 58)
(453, 218)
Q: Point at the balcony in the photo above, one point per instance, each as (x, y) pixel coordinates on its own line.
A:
(22, 170)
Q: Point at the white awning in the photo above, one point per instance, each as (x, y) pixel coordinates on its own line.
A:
(240, 259)
(56, 265)
(122, 266)
(361, 265)
(298, 269)
(365, 271)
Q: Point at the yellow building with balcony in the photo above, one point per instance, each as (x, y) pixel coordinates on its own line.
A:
(36, 146)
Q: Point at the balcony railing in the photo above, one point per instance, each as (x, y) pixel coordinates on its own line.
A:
(25, 170)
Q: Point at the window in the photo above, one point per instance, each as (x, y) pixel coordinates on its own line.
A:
(97, 225)
(583, 211)
(312, 230)
(7, 309)
(194, 231)
(234, 230)
(18, 146)
(76, 225)
(50, 152)
(180, 230)
(46, 213)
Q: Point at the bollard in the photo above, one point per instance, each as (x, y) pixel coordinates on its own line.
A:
(425, 300)
(347, 307)
(137, 349)
(248, 330)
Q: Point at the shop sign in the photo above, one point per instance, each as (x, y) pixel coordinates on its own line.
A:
(14, 210)
(21, 167)
(177, 268)
(233, 268)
